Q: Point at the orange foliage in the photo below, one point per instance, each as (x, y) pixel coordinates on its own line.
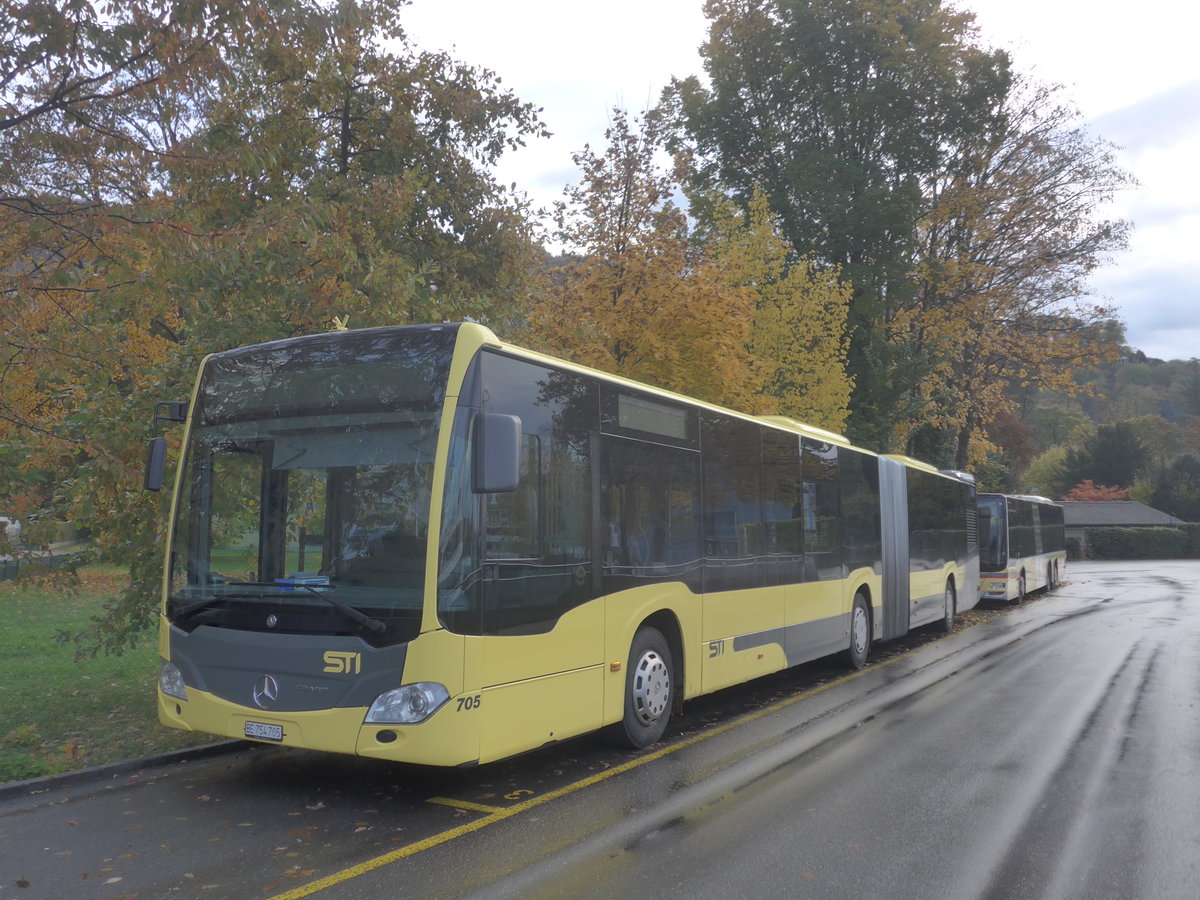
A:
(1088, 491)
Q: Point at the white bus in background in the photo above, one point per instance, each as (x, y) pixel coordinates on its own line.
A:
(1022, 546)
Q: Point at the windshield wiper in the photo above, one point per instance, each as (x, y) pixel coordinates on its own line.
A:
(220, 581)
(357, 615)
(202, 604)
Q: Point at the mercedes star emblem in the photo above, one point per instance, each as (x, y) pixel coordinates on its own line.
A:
(266, 691)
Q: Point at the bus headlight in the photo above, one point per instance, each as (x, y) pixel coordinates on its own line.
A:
(407, 705)
(170, 681)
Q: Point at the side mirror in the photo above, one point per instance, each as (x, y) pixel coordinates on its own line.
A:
(156, 464)
(497, 453)
(156, 450)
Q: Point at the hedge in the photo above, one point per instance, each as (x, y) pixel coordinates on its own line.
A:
(1182, 542)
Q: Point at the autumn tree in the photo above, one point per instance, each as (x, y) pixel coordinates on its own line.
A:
(843, 110)
(354, 175)
(93, 98)
(799, 330)
(636, 300)
(719, 312)
(1014, 232)
(1089, 492)
(221, 174)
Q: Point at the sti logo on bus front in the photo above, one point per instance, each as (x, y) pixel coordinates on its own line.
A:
(340, 662)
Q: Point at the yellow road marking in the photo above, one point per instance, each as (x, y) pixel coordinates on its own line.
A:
(465, 804)
(494, 815)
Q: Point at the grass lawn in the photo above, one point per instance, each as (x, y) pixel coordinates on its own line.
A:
(57, 714)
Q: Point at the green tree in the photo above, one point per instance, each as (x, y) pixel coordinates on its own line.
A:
(1113, 456)
(841, 110)
(1190, 387)
(1047, 474)
(1177, 489)
(1052, 424)
(1163, 441)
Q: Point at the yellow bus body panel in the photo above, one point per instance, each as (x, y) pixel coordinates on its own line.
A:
(815, 600)
(926, 588)
(526, 714)
(730, 615)
(539, 688)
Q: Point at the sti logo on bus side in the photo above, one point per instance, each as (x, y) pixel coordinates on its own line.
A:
(340, 662)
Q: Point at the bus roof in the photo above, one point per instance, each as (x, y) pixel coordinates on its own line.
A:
(1029, 498)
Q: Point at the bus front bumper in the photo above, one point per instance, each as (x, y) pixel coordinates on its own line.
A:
(448, 738)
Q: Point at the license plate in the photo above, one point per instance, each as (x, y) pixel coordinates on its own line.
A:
(263, 732)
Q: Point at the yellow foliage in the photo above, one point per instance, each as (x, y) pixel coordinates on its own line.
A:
(727, 320)
(799, 333)
(642, 302)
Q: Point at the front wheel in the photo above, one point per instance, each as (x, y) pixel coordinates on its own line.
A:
(649, 690)
(860, 633)
(1020, 598)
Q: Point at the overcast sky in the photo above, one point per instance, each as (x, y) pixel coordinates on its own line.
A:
(1131, 68)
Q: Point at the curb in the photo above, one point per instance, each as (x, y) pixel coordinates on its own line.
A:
(115, 769)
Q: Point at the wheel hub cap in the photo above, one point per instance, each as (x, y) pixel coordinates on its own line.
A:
(860, 630)
(651, 687)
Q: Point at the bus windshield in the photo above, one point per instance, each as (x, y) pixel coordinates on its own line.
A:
(993, 546)
(305, 497)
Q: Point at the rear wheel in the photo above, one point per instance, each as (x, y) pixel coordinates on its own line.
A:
(946, 625)
(649, 690)
(860, 633)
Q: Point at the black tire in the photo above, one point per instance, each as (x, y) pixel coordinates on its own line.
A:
(946, 625)
(649, 691)
(1020, 598)
(860, 633)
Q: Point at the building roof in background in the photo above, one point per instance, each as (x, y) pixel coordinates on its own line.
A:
(1088, 514)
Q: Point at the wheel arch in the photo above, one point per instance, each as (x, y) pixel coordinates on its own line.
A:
(667, 624)
(874, 627)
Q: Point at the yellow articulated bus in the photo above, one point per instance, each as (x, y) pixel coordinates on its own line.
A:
(422, 544)
(1022, 546)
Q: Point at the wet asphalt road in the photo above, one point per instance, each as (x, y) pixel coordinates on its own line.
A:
(1051, 752)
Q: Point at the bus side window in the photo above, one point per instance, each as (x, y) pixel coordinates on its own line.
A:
(651, 507)
(513, 524)
(537, 542)
(822, 511)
